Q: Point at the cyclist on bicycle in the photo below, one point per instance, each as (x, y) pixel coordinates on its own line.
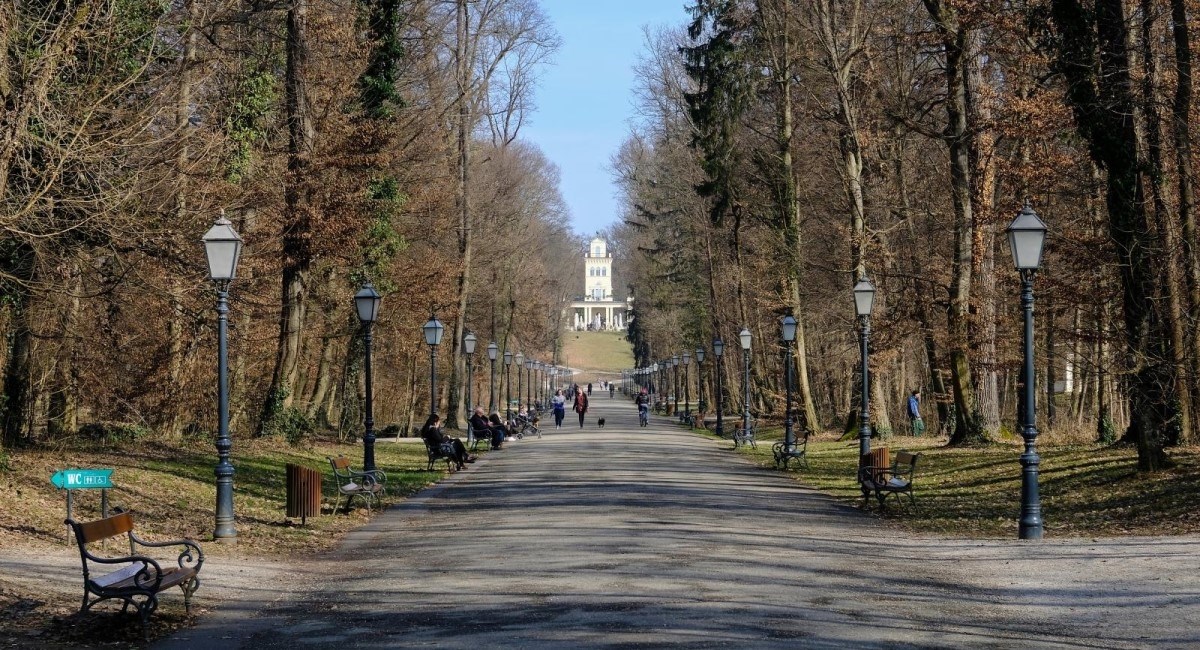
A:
(643, 404)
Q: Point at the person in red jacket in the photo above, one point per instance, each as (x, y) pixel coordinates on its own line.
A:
(581, 405)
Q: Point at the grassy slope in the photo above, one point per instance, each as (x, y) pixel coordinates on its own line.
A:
(597, 354)
(171, 492)
(1086, 489)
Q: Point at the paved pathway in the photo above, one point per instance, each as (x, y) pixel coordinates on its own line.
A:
(629, 537)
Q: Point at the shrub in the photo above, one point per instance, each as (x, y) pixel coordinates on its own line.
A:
(291, 424)
(113, 432)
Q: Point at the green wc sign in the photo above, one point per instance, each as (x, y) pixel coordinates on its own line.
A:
(82, 479)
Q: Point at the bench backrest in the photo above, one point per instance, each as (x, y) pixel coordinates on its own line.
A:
(94, 531)
(904, 458)
(341, 463)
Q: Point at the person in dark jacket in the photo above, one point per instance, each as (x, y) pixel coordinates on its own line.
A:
(581, 405)
(484, 427)
(432, 434)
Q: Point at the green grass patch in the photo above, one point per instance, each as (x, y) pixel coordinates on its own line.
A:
(604, 353)
(1086, 489)
(171, 491)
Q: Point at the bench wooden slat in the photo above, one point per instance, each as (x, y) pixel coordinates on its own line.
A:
(94, 531)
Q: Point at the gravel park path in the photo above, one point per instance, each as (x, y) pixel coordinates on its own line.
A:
(628, 537)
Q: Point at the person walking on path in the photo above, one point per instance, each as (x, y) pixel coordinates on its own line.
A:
(612, 390)
(914, 413)
(581, 405)
(560, 408)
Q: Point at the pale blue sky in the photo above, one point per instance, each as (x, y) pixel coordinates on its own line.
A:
(585, 99)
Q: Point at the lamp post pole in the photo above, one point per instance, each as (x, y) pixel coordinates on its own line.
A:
(508, 357)
(492, 348)
(718, 350)
(864, 300)
(745, 340)
(469, 350)
(366, 305)
(789, 335)
(700, 380)
(675, 386)
(520, 359)
(687, 389)
(225, 530)
(1026, 237)
(529, 384)
(223, 248)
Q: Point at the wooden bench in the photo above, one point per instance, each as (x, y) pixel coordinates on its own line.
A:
(784, 456)
(139, 578)
(881, 478)
(367, 486)
(743, 437)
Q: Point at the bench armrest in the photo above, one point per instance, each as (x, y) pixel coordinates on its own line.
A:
(148, 576)
(190, 557)
(374, 476)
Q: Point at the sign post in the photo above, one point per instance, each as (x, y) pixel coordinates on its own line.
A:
(84, 479)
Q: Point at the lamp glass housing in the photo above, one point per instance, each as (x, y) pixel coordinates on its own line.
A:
(699, 355)
(469, 343)
(687, 359)
(1026, 236)
(366, 303)
(492, 350)
(223, 247)
(434, 330)
(744, 337)
(788, 325)
(718, 347)
(864, 297)
(508, 357)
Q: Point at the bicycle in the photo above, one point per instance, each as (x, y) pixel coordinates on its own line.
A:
(644, 415)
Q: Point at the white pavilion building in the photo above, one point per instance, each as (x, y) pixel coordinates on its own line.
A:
(599, 310)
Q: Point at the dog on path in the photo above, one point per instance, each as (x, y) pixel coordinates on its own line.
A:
(600, 422)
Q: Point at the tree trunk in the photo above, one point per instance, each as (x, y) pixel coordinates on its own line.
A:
(17, 376)
(1095, 60)
(297, 254)
(463, 199)
(954, 36)
(63, 400)
(1181, 109)
(1170, 257)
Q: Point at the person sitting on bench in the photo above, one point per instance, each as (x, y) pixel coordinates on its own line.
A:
(433, 436)
(483, 427)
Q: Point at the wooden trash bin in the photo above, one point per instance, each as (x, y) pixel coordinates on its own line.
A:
(303, 492)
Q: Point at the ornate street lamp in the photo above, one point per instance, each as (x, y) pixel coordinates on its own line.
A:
(718, 350)
(652, 378)
(492, 350)
(788, 325)
(223, 247)
(366, 304)
(469, 342)
(744, 338)
(433, 329)
(687, 391)
(700, 379)
(508, 359)
(864, 302)
(1026, 237)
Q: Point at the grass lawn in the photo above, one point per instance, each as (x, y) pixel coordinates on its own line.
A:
(606, 353)
(1086, 490)
(171, 491)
